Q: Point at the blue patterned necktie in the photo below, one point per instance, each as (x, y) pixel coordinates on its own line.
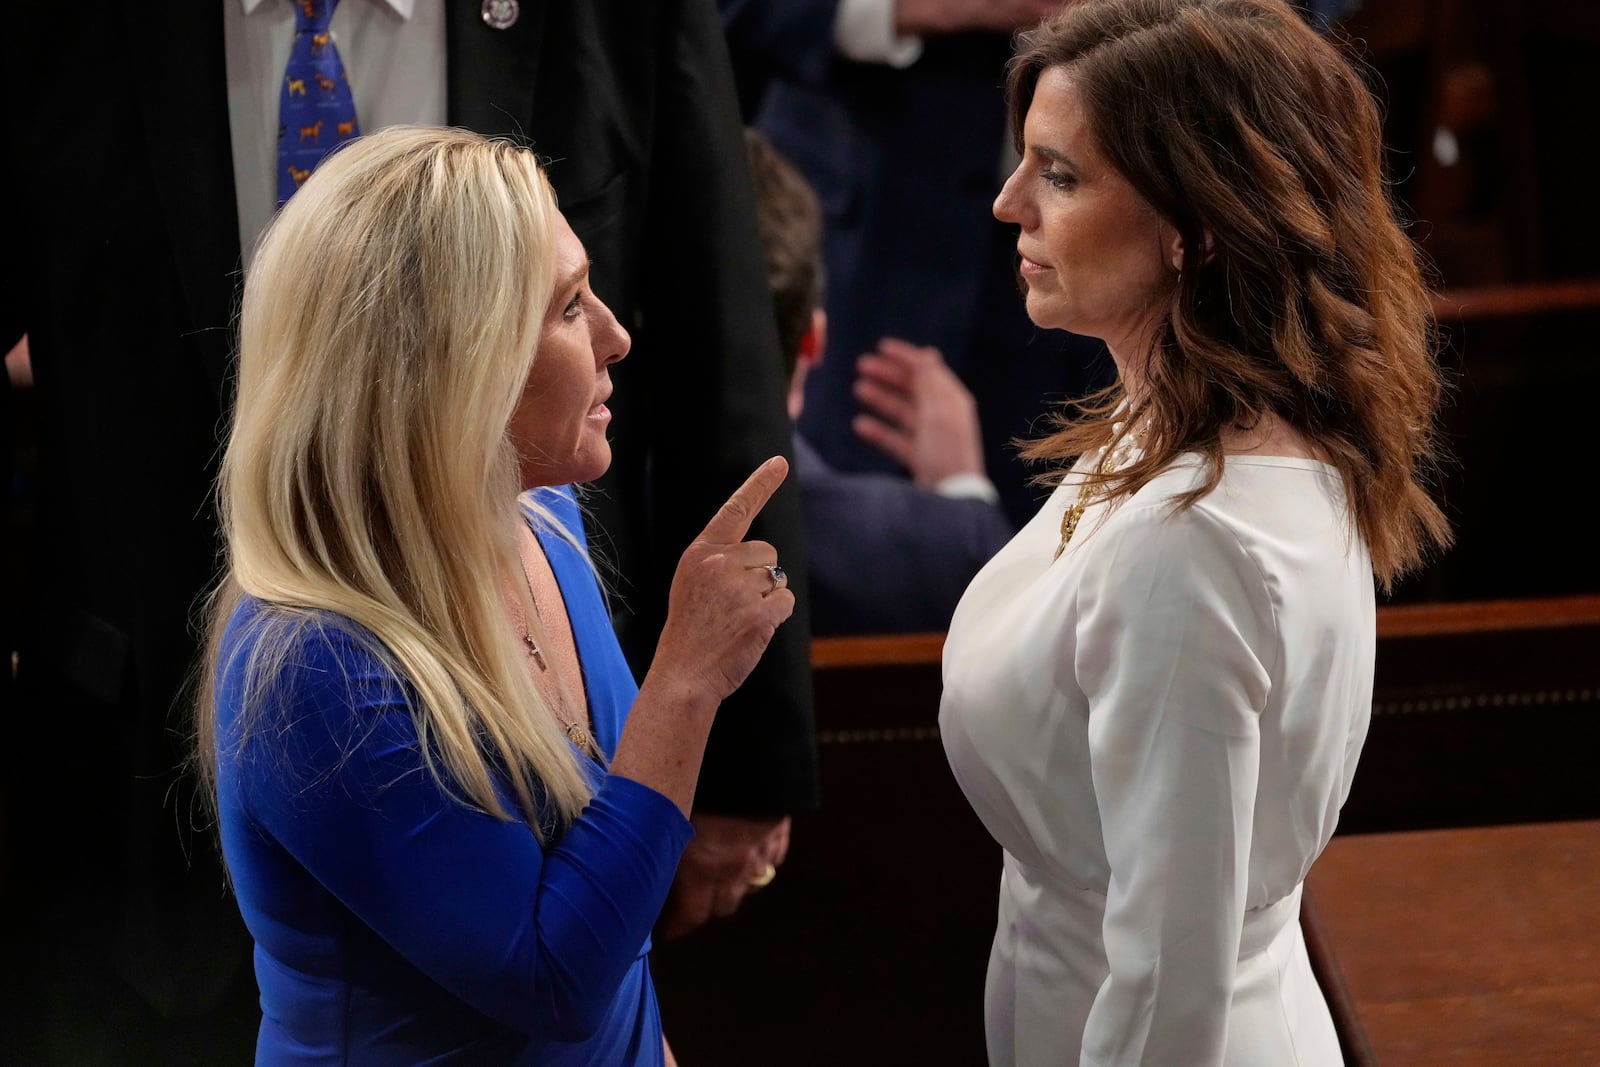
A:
(316, 112)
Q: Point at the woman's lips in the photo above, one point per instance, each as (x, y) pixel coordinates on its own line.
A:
(600, 412)
(1028, 266)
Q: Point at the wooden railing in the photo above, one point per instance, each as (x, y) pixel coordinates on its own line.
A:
(1488, 616)
(1483, 712)
(1404, 620)
(1516, 300)
(876, 650)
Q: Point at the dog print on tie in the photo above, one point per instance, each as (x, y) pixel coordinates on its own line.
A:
(305, 117)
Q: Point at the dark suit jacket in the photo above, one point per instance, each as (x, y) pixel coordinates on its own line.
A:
(907, 166)
(887, 556)
(123, 224)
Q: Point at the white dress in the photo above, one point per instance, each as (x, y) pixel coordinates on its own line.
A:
(1159, 728)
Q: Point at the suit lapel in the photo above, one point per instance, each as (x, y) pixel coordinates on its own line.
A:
(493, 74)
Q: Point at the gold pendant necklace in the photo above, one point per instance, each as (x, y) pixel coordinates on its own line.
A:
(575, 731)
(578, 735)
(1070, 517)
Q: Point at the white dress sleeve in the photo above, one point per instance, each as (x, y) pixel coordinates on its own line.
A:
(1175, 635)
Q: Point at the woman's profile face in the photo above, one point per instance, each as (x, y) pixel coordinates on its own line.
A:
(1096, 258)
(559, 426)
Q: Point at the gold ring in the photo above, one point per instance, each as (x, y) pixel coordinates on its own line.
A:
(768, 873)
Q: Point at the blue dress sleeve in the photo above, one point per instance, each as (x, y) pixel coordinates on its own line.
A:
(537, 939)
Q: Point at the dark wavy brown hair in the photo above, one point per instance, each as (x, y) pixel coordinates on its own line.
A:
(1299, 295)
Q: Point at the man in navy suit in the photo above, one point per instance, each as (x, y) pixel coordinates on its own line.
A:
(121, 942)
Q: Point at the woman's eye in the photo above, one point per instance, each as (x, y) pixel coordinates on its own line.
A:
(1059, 179)
(574, 306)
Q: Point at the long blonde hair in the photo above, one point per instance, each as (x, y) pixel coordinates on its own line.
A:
(390, 319)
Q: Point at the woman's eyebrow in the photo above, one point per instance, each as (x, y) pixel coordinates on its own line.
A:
(578, 274)
(1054, 155)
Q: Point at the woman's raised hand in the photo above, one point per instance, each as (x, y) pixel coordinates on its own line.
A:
(728, 596)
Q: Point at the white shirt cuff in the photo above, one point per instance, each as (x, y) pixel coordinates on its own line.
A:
(863, 30)
(968, 487)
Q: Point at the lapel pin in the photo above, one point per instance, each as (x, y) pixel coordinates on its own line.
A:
(500, 14)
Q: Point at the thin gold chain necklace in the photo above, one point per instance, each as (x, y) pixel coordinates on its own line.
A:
(1070, 517)
(1080, 503)
(575, 730)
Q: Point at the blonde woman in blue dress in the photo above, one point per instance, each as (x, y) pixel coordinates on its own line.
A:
(450, 815)
(1156, 694)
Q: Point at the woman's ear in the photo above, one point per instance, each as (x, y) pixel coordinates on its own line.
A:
(1176, 247)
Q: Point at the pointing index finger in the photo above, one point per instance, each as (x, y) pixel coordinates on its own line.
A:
(732, 520)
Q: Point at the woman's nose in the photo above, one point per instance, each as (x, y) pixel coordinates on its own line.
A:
(1006, 206)
(613, 341)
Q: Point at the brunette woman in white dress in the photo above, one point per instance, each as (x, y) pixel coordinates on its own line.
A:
(1156, 694)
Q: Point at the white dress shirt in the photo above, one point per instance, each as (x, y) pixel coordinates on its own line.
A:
(394, 56)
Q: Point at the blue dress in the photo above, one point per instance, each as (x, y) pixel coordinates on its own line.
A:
(393, 924)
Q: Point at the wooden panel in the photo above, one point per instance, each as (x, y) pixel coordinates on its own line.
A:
(1473, 947)
(1482, 713)
(830, 652)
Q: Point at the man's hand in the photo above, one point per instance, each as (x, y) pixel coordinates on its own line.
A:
(920, 413)
(924, 17)
(728, 857)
